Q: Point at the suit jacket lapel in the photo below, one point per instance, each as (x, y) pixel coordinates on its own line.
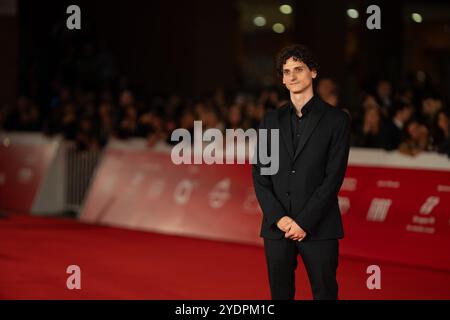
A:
(317, 111)
(285, 129)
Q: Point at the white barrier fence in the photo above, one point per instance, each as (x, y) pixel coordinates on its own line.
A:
(43, 175)
(79, 169)
(65, 179)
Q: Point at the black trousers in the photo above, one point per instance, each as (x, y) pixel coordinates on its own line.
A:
(320, 258)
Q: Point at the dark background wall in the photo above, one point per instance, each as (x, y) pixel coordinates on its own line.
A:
(190, 47)
(9, 35)
(184, 47)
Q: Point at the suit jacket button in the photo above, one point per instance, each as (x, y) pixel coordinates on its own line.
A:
(293, 171)
(288, 194)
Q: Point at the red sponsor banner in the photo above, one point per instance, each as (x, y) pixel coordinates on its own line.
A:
(145, 190)
(395, 214)
(392, 214)
(24, 161)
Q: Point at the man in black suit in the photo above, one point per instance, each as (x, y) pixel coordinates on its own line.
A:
(299, 203)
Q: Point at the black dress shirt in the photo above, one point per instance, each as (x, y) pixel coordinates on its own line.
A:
(298, 123)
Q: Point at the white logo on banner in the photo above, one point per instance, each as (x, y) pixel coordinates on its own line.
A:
(344, 204)
(25, 175)
(424, 223)
(443, 188)
(379, 209)
(420, 229)
(423, 220)
(429, 205)
(183, 191)
(388, 184)
(349, 184)
(156, 188)
(220, 193)
(74, 280)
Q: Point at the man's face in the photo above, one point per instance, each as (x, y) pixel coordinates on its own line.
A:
(297, 77)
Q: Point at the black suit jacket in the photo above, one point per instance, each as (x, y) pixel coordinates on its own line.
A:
(309, 178)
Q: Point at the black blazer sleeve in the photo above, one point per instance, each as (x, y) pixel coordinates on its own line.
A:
(270, 205)
(336, 164)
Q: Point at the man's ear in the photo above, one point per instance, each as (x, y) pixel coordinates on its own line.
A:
(314, 73)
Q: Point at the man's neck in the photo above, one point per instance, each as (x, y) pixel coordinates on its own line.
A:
(300, 99)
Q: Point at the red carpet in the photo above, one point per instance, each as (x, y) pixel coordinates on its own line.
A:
(126, 264)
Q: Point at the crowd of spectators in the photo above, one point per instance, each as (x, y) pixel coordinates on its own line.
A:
(412, 119)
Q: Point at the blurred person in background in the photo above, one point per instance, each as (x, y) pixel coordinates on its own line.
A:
(259, 112)
(219, 101)
(69, 119)
(234, 118)
(87, 135)
(391, 129)
(383, 96)
(406, 95)
(327, 91)
(62, 97)
(199, 108)
(416, 138)
(274, 99)
(126, 99)
(25, 116)
(367, 101)
(250, 115)
(441, 132)
(145, 124)
(187, 121)
(106, 122)
(269, 98)
(128, 125)
(210, 119)
(431, 104)
(368, 133)
(157, 135)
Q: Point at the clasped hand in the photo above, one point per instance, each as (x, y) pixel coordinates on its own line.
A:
(291, 228)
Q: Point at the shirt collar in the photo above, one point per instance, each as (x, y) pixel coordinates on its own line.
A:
(306, 108)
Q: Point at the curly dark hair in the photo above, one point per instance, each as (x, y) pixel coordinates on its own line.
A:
(298, 52)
